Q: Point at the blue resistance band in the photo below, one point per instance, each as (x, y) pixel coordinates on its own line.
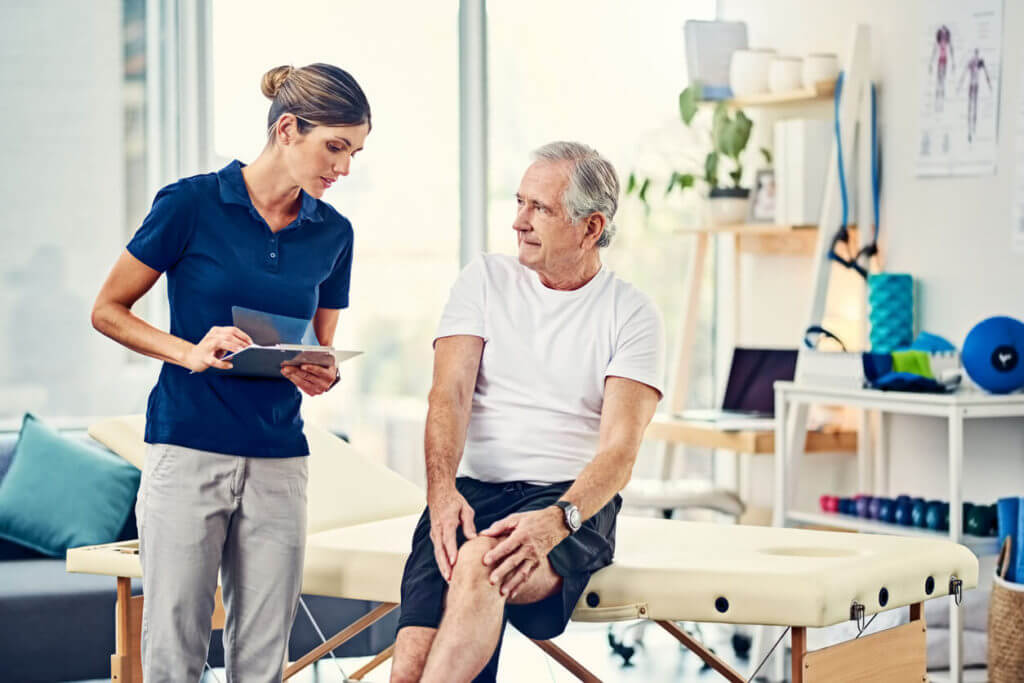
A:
(842, 234)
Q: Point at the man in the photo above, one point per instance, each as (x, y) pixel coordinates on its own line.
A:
(547, 371)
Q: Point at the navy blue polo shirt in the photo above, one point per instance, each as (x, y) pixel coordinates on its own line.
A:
(218, 252)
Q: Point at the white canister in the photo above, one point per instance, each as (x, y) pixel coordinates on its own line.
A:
(748, 71)
(820, 67)
(785, 74)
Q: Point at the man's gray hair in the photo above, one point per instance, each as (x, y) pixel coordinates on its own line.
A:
(593, 184)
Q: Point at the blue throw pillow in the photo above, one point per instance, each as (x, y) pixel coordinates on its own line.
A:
(6, 453)
(60, 493)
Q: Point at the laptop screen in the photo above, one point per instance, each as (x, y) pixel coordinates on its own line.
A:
(752, 377)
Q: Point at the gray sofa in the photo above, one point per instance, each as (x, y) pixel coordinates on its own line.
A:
(56, 626)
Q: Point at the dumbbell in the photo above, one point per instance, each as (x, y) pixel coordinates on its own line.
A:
(937, 515)
(917, 511)
(903, 511)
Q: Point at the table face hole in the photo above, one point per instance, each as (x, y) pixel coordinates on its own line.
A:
(722, 605)
(929, 585)
(809, 551)
(883, 597)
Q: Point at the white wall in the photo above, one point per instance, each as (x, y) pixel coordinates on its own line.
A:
(952, 234)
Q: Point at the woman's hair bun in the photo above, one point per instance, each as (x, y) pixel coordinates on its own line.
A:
(274, 79)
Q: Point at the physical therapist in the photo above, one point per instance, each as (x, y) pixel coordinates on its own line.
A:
(224, 481)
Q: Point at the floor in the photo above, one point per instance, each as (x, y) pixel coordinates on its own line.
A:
(658, 659)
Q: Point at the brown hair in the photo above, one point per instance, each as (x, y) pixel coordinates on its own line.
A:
(317, 94)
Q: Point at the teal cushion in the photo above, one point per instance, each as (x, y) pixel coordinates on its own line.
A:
(60, 493)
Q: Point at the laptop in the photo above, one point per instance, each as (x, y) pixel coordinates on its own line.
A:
(749, 401)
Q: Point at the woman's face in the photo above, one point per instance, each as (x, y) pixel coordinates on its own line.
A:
(318, 158)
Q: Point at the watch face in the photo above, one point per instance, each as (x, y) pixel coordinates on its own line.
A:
(574, 519)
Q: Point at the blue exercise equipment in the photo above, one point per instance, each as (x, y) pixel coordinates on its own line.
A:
(992, 354)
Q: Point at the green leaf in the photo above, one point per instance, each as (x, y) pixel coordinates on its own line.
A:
(688, 100)
(680, 180)
(767, 154)
(719, 121)
(736, 175)
(671, 182)
(643, 189)
(734, 135)
(711, 169)
(631, 183)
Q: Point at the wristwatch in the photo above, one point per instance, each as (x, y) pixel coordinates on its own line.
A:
(573, 519)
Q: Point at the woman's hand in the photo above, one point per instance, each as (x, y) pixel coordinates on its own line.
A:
(218, 342)
(312, 379)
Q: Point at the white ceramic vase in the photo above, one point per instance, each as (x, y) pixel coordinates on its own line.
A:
(728, 210)
(785, 74)
(748, 71)
(820, 67)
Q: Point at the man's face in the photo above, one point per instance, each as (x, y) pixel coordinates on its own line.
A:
(548, 241)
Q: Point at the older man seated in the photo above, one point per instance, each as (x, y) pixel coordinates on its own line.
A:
(547, 371)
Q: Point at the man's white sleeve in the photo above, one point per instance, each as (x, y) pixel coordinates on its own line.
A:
(467, 303)
(640, 350)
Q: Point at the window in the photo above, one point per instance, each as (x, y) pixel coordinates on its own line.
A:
(402, 194)
(72, 194)
(608, 75)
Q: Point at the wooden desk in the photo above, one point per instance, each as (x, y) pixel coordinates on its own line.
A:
(703, 434)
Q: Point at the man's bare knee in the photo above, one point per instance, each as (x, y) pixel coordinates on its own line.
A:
(469, 564)
(411, 649)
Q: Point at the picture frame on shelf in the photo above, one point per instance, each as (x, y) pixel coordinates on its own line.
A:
(763, 197)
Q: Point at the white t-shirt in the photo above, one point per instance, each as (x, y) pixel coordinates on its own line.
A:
(537, 403)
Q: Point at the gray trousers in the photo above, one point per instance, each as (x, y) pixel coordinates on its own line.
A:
(198, 512)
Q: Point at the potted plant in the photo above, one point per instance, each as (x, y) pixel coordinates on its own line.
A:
(727, 138)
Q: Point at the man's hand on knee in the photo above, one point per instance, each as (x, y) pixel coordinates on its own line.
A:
(448, 509)
(526, 540)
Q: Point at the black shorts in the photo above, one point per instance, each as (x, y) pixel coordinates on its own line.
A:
(574, 559)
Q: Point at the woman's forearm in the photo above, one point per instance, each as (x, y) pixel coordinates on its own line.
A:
(117, 321)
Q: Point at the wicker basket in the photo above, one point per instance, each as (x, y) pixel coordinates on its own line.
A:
(1005, 626)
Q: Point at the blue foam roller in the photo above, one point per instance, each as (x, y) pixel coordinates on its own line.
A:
(891, 303)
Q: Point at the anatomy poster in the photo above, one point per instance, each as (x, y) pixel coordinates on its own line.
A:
(961, 60)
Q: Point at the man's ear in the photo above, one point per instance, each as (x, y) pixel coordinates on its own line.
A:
(595, 225)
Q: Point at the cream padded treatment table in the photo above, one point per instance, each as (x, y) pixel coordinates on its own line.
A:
(362, 515)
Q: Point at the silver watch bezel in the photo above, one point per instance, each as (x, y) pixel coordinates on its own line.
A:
(569, 513)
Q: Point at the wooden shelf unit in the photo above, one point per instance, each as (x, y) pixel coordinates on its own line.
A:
(822, 90)
(768, 238)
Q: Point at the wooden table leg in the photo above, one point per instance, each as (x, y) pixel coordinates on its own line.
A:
(799, 649)
(126, 662)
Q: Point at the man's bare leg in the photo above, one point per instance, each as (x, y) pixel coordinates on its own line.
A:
(473, 616)
(411, 649)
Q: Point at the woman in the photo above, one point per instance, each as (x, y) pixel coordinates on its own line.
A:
(224, 481)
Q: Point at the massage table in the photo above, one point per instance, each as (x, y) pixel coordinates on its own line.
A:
(664, 571)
